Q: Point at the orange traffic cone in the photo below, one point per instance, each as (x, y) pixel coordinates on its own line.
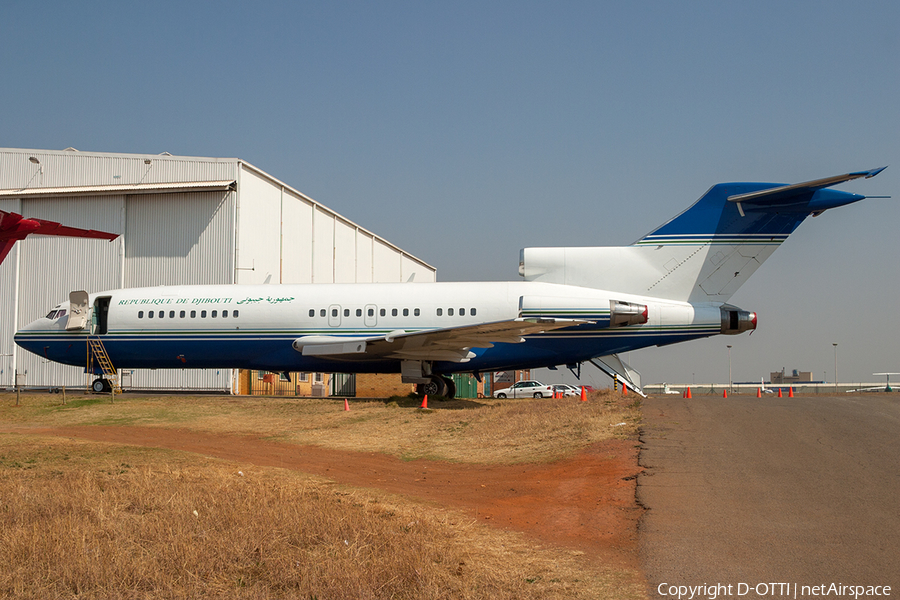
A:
(725, 393)
(759, 392)
(791, 392)
(583, 395)
(624, 390)
(688, 395)
(424, 402)
(346, 404)
(779, 393)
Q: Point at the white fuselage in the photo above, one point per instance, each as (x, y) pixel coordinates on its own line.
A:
(233, 326)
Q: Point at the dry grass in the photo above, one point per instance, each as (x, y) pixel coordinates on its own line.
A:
(482, 431)
(98, 521)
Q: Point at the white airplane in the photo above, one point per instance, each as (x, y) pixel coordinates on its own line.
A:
(573, 305)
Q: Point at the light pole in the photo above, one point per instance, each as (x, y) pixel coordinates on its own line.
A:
(730, 384)
(835, 368)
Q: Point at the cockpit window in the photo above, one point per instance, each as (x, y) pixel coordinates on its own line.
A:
(56, 313)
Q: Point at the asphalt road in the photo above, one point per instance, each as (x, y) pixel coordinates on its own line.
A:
(803, 491)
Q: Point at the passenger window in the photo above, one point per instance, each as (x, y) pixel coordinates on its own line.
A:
(322, 313)
(235, 314)
(312, 312)
(371, 312)
(140, 314)
(449, 312)
(202, 314)
(193, 314)
(405, 312)
(149, 314)
(171, 314)
(416, 312)
(393, 312)
(214, 313)
(358, 312)
(462, 312)
(334, 312)
(383, 312)
(440, 311)
(346, 312)
(224, 314)
(181, 314)
(472, 312)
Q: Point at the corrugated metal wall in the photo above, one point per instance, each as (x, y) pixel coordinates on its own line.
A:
(259, 241)
(8, 305)
(51, 267)
(179, 239)
(314, 244)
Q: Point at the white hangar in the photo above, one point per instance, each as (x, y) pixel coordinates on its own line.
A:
(182, 220)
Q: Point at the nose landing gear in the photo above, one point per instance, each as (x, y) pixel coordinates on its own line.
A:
(101, 386)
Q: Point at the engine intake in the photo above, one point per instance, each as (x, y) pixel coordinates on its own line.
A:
(735, 320)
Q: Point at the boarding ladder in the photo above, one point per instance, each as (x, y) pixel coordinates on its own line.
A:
(97, 355)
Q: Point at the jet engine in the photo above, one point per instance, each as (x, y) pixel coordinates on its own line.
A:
(735, 320)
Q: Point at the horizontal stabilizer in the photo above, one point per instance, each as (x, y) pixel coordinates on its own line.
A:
(784, 193)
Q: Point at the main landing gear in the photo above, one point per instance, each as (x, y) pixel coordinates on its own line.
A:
(438, 386)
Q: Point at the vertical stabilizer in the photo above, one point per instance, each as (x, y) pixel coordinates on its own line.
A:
(702, 255)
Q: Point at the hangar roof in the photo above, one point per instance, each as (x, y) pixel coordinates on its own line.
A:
(127, 188)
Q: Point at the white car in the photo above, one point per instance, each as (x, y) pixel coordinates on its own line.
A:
(566, 389)
(526, 389)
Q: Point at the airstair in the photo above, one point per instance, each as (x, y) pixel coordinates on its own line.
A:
(98, 358)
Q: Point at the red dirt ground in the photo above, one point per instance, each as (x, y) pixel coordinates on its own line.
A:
(585, 503)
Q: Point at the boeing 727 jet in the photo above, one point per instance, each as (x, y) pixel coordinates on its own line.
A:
(573, 305)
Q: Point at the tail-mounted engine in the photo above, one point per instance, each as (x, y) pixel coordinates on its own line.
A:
(627, 313)
(735, 320)
(585, 308)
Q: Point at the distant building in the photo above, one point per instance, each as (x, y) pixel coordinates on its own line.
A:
(779, 377)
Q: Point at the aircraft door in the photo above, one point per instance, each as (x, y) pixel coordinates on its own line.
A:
(78, 310)
(334, 315)
(100, 316)
(371, 315)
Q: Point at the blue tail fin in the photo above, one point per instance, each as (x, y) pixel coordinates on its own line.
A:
(705, 253)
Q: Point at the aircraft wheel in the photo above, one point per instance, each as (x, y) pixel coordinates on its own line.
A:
(100, 386)
(435, 387)
(450, 394)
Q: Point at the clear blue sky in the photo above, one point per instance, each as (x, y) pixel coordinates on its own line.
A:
(464, 131)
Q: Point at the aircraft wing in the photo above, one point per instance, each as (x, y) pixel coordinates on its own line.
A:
(448, 344)
(52, 228)
(5, 247)
(14, 227)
